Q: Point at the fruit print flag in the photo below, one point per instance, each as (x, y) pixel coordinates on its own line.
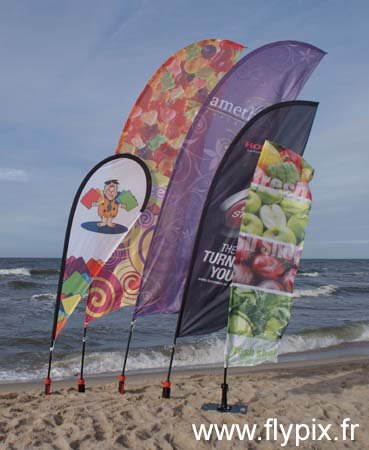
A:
(155, 132)
(273, 73)
(206, 295)
(267, 257)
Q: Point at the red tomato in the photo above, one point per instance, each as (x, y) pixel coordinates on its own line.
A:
(268, 267)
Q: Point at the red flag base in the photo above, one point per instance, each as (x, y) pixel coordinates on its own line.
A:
(81, 385)
(166, 389)
(47, 383)
(121, 379)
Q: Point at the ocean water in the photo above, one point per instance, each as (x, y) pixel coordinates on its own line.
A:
(330, 317)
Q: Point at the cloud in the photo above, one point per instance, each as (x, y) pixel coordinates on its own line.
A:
(7, 174)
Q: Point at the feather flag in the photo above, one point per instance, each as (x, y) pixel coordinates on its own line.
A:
(268, 254)
(272, 73)
(108, 202)
(155, 131)
(205, 301)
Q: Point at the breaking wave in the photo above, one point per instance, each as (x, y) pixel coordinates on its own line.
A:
(308, 274)
(207, 352)
(325, 337)
(19, 272)
(47, 296)
(322, 291)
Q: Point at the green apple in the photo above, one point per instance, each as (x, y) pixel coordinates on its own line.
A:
(297, 224)
(292, 207)
(281, 235)
(239, 323)
(252, 224)
(273, 216)
(268, 197)
(253, 202)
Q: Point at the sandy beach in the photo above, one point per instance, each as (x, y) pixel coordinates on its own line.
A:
(102, 419)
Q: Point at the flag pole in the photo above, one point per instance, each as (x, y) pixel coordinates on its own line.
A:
(122, 376)
(47, 380)
(166, 383)
(223, 407)
(81, 382)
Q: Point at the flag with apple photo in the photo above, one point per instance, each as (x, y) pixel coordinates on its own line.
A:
(268, 253)
(207, 293)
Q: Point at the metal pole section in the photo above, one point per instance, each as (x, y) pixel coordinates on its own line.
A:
(167, 383)
(47, 381)
(223, 407)
(81, 381)
(122, 377)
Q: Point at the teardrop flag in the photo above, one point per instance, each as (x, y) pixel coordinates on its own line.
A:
(272, 73)
(109, 201)
(267, 257)
(155, 131)
(206, 296)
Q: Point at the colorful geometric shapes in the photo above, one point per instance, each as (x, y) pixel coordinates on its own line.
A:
(75, 284)
(91, 197)
(128, 199)
(94, 266)
(70, 303)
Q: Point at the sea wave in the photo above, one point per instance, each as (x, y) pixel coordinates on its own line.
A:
(321, 291)
(23, 284)
(325, 337)
(44, 271)
(47, 296)
(308, 274)
(203, 353)
(20, 272)
(206, 352)
(352, 289)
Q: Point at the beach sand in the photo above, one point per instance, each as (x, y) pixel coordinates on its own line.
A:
(140, 419)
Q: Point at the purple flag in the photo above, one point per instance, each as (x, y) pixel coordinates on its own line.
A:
(273, 73)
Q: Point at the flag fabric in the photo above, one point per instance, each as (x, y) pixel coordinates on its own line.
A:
(155, 131)
(272, 73)
(206, 295)
(267, 257)
(100, 217)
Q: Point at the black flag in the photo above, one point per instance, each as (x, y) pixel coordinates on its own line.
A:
(206, 295)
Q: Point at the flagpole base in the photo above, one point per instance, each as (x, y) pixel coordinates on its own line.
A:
(166, 389)
(81, 385)
(47, 383)
(224, 407)
(233, 409)
(122, 380)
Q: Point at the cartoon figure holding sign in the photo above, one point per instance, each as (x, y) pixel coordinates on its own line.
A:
(108, 201)
(108, 208)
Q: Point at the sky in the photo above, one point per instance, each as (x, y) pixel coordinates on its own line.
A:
(71, 71)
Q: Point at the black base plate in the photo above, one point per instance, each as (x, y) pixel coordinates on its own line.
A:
(235, 409)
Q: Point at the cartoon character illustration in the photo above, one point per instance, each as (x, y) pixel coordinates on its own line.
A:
(108, 208)
(108, 201)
